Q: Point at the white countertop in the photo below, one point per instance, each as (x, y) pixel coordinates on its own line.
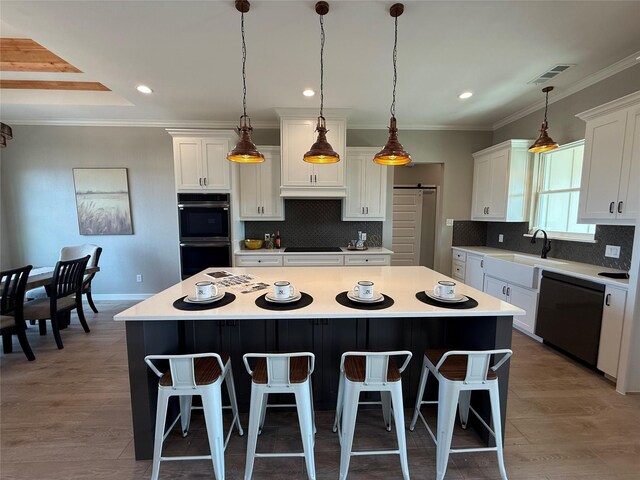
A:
(585, 271)
(345, 251)
(323, 284)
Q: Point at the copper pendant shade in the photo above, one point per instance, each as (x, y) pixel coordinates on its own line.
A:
(393, 153)
(544, 143)
(321, 151)
(245, 150)
(5, 131)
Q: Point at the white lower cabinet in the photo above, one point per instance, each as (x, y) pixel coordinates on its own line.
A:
(258, 260)
(525, 298)
(611, 330)
(364, 260)
(474, 271)
(313, 260)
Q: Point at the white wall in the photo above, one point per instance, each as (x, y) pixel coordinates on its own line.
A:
(39, 210)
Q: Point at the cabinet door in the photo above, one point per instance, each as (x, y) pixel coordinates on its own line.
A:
(474, 271)
(611, 330)
(269, 180)
(353, 205)
(188, 163)
(297, 138)
(528, 301)
(331, 175)
(374, 198)
(269, 260)
(628, 207)
(495, 288)
(481, 187)
(313, 260)
(217, 169)
(499, 183)
(602, 164)
(250, 205)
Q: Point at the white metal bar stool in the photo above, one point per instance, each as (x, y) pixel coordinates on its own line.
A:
(281, 373)
(370, 372)
(459, 372)
(196, 374)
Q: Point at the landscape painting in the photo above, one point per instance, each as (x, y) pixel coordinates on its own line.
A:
(102, 199)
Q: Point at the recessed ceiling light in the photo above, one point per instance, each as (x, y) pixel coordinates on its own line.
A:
(308, 93)
(144, 89)
(465, 95)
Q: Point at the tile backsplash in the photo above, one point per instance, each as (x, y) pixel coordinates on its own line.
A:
(592, 253)
(315, 223)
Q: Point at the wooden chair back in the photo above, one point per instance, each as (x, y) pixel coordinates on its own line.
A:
(13, 284)
(67, 278)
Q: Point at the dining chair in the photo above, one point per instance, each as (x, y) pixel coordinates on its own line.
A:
(65, 295)
(71, 253)
(13, 284)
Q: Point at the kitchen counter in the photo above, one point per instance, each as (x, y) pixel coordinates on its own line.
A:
(345, 251)
(575, 269)
(325, 328)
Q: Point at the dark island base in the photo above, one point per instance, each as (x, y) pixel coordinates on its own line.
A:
(326, 338)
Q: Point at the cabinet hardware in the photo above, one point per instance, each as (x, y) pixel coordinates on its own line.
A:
(508, 291)
(315, 178)
(205, 181)
(362, 210)
(258, 209)
(262, 209)
(366, 259)
(488, 210)
(611, 207)
(482, 263)
(200, 181)
(367, 210)
(310, 178)
(607, 300)
(620, 207)
(504, 289)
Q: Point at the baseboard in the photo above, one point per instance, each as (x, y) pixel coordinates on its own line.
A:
(121, 296)
(527, 333)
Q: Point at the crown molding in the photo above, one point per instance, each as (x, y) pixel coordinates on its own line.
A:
(614, 105)
(592, 79)
(481, 128)
(72, 122)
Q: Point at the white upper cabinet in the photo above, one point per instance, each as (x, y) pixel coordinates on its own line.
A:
(366, 186)
(260, 188)
(501, 182)
(611, 166)
(200, 159)
(302, 179)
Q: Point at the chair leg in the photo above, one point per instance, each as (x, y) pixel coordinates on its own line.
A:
(447, 402)
(305, 417)
(90, 301)
(7, 343)
(494, 395)
(423, 384)
(80, 312)
(263, 411)
(255, 411)
(463, 407)
(161, 413)
(24, 343)
(231, 389)
(398, 414)
(349, 414)
(212, 406)
(42, 327)
(56, 330)
(185, 413)
(339, 403)
(386, 409)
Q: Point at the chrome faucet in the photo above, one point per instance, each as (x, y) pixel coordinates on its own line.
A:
(546, 245)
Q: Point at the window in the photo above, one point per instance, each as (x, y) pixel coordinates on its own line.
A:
(556, 193)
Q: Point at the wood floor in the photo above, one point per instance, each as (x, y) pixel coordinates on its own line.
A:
(67, 416)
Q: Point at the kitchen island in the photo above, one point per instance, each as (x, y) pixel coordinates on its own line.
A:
(324, 327)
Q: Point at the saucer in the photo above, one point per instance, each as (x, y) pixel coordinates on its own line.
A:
(456, 299)
(294, 298)
(377, 297)
(215, 298)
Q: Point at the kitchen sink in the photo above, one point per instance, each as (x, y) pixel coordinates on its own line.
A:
(519, 269)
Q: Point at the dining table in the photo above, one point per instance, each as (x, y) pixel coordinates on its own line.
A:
(42, 276)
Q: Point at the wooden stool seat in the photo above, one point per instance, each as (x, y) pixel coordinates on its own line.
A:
(207, 371)
(454, 367)
(355, 368)
(298, 370)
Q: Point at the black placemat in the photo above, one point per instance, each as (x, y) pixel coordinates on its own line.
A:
(180, 304)
(343, 300)
(471, 303)
(304, 301)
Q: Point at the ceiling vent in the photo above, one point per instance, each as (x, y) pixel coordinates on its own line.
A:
(549, 74)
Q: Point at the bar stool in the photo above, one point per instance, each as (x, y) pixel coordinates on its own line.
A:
(281, 373)
(195, 374)
(370, 372)
(459, 372)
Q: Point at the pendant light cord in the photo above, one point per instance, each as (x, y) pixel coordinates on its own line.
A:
(546, 106)
(244, 75)
(395, 70)
(321, 65)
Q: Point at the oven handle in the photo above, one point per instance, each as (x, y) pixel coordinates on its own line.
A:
(224, 206)
(206, 244)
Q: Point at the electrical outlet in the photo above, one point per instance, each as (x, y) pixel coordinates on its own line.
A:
(449, 222)
(139, 278)
(612, 251)
(267, 237)
(500, 238)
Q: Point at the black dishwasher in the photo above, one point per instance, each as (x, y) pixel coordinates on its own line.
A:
(570, 315)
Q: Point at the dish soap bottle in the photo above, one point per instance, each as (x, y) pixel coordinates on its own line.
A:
(277, 239)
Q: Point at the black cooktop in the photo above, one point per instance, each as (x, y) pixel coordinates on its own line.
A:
(312, 249)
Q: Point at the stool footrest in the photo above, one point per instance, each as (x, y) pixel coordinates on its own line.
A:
(375, 452)
(479, 449)
(269, 455)
(180, 458)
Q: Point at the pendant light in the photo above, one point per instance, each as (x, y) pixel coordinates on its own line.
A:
(393, 152)
(544, 143)
(321, 151)
(245, 151)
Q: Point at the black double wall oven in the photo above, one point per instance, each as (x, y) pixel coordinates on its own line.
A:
(205, 231)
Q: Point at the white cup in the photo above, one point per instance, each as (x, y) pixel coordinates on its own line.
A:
(283, 290)
(363, 289)
(445, 289)
(205, 290)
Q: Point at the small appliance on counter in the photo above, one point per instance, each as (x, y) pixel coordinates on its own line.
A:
(358, 244)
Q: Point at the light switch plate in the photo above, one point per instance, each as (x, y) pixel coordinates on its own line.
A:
(449, 222)
(612, 251)
(500, 238)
